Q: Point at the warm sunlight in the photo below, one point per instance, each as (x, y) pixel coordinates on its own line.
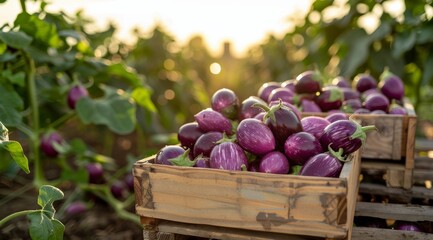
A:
(215, 68)
(244, 23)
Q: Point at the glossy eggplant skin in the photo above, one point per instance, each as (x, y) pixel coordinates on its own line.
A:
(322, 165)
(247, 110)
(308, 82)
(300, 147)
(391, 86)
(210, 120)
(407, 226)
(168, 152)
(188, 134)
(228, 156)
(205, 143)
(314, 125)
(226, 102)
(274, 162)
(330, 98)
(255, 136)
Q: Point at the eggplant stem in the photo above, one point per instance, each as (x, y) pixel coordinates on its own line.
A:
(337, 154)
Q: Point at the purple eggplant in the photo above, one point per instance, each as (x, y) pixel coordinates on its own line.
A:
(322, 165)
(95, 172)
(75, 208)
(349, 93)
(255, 136)
(283, 122)
(274, 162)
(290, 106)
(309, 106)
(362, 111)
(407, 226)
(376, 101)
(391, 85)
(308, 82)
(75, 93)
(226, 102)
(330, 98)
(260, 116)
(362, 82)
(188, 134)
(314, 125)
(202, 162)
(228, 156)
(378, 111)
(168, 152)
(351, 105)
(247, 110)
(341, 82)
(118, 189)
(290, 84)
(266, 89)
(47, 143)
(299, 147)
(394, 108)
(346, 134)
(284, 94)
(210, 120)
(129, 181)
(205, 143)
(369, 92)
(333, 117)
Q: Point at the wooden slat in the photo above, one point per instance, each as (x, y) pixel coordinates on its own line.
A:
(365, 233)
(396, 193)
(395, 211)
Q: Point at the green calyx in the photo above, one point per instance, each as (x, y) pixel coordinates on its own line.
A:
(270, 112)
(335, 94)
(183, 160)
(386, 74)
(360, 131)
(337, 154)
(226, 138)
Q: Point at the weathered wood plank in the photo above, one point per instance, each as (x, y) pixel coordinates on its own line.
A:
(396, 193)
(365, 233)
(395, 211)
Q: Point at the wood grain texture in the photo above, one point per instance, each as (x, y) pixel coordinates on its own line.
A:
(365, 233)
(299, 205)
(406, 212)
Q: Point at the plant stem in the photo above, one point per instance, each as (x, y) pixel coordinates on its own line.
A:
(16, 214)
(23, 5)
(62, 120)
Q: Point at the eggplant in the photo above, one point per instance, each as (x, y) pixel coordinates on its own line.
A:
(349, 93)
(407, 226)
(205, 143)
(47, 143)
(391, 85)
(274, 162)
(255, 136)
(247, 110)
(75, 93)
(168, 152)
(260, 116)
(118, 189)
(333, 117)
(290, 84)
(351, 105)
(299, 147)
(95, 171)
(226, 102)
(284, 94)
(228, 156)
(188, 134)
(348, 135)
(314, 125)
(330, 98)
(308, 82)
(369, 92)
(289, 105)
(362, 111)
(364, 81)
(210, 120)
(377, 101)
(309, 106)
(75, 208)
(202, 162)
(266, 89)
(397, 109)
(322, 165)
(282, 121)
(341, 82)
(378, 112)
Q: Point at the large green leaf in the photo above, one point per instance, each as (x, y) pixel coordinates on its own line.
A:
(358, 43)
(121, 71)
(15, 78)
(43, 32)
(403, 42)
(17, 40)
(142, 96)
(16, 152)
(11, 104)
(116, 110)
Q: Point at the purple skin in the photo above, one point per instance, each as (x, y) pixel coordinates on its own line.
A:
(363, 82)
(376, 101)
(341, 82)
(226, 102)
(202, 162)
(309, 106)
(118, 189)
(281, 93)
(188, 134)
(322, 165)
(369, 92)
(247, 110)
(396, 109)
(349, 93)
(314, 125)
(274, 162)
(336, 116)
(260, 116)
(74, 94)
(362, 111)
(228, 156)
(380, 112)
(391, 86)
(210, 120)
(308, 82)
(330, 98)
(300, 147)
(289, 105)
(407, 226)
(266, 89)
(351, 105)
(95, 172)
(47, 143)
(76, 208)
(205, 143)
(129, 182)
(255, 136)
(346, 134)
(290, 84)
(168, 152)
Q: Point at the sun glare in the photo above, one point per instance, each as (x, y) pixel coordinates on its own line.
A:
(215, 68)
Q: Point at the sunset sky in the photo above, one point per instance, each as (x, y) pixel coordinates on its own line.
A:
(242, 22)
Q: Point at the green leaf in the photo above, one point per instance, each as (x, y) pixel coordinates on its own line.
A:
(77, 176)
(4, 133)
(427, 76)
(116, 110)
(126, 73)
(142, 96)
(403, 42)
(381, 32)
(11, 105)
(321, 5)
(358, 43)
(425, 34)
(16, 151)
(42, 227)
(17, 78)
(8, 56)
(18, 40)
(47, 195)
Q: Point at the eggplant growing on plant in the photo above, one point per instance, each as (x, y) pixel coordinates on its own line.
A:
(348, 135)
(226, 102)
(274, 162)
(255, 136)
(95, 172)
(301, 146)
(48, 141)
(76, 208)
(210, 120)
(188, 134)
(228, 156)
(75, 93)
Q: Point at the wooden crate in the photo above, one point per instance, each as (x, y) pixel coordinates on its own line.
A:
(395, 138)
(245, 202)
